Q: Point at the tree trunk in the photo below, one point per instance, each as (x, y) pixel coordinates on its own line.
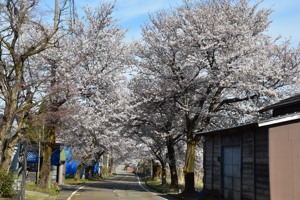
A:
(11, 144)
(8, 153)
(163, 174)
(111, 165)
(6, 159)
(45, 178)
(172, 164)
(89, 171)
(189, 167)
(92, 173)
(77, 174)
(156, 171)
(4, 143)
(5, 129)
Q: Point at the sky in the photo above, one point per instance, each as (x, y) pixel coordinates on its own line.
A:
(133, 13)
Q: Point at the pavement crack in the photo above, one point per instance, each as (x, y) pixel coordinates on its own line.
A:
(116, 194)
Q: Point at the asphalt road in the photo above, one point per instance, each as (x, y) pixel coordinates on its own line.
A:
(124, 186)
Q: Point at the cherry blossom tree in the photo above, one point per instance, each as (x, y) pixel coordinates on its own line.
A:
(155, 121)
(55, 88)
(145, 135)
(81, 73)
(216, 61)
(24, 33)
(98, 57)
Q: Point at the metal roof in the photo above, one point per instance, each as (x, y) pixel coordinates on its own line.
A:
(264, 123)
(268, 122)
(285, 102)
(280, 119)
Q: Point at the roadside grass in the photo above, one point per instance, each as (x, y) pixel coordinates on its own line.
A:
(157, 186)
(165, 189)
(37, 197)
(31, 186)
(45, 193)
(72, 181)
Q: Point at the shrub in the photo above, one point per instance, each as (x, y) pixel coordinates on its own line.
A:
(56, 187)
(6, 184)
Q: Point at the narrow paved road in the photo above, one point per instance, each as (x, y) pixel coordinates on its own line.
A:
(124, 186)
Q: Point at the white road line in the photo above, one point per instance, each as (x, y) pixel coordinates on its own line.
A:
(143, 186)
(73, 193)
(147, 189)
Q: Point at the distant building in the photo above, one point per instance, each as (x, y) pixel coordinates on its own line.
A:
(256, 161)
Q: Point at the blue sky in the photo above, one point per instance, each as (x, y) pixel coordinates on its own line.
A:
(132, 14)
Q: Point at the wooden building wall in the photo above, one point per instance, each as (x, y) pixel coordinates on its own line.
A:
(254, 161)
(284, 147)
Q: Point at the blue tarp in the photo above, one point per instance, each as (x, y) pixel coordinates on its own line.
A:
(96, 167)
(71, 165)
(32, 157)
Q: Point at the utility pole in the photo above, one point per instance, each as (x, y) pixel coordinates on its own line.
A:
(72, 6)
(41, 139)
(56, 13)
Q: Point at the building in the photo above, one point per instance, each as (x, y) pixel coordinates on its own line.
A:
(256, 161)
